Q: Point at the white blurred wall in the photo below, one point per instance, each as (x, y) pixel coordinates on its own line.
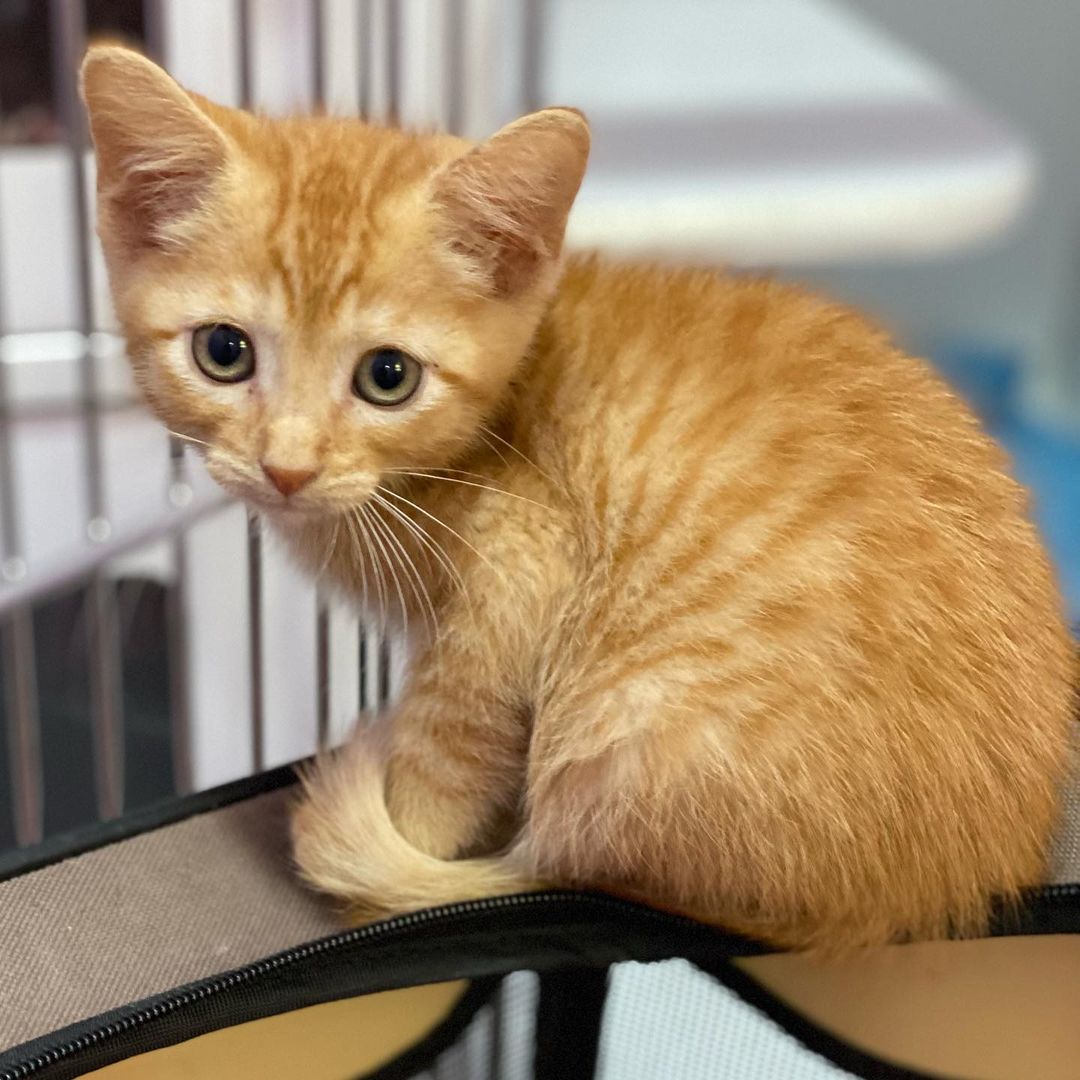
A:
(1023, 60)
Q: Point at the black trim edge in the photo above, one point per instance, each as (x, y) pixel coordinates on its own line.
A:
(421, 1056)
(812, 1036)
(168, 812)
(542, 932)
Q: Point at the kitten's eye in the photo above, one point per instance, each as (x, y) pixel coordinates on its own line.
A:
(386, 376)
(223, 352)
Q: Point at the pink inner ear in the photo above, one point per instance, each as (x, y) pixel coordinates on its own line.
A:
(154, 195)
(506, 202)
(158, 153)
(497, 240)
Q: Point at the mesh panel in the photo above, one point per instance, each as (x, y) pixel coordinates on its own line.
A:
(497, 1044)
(1065, 866)
(663, 1021)
(517, 1012)
(669, 1021)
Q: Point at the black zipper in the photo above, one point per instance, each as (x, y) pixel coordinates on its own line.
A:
(1051, 892)
(376, 931)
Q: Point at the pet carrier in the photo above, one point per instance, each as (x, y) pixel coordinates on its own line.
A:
(185, 921)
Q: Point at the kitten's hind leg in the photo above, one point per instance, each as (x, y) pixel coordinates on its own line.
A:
(619, 792)
(638, 785)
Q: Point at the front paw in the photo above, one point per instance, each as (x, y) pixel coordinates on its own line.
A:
(430, 820)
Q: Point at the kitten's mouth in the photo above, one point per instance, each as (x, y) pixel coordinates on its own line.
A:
(297, 508)
(261, 491)
(288, 507)
(264, 500)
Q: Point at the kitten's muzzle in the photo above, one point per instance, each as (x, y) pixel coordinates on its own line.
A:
(288, 481)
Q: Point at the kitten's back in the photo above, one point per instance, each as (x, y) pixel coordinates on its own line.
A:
(810, 602)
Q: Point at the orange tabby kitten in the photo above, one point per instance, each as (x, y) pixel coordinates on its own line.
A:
(717, 600)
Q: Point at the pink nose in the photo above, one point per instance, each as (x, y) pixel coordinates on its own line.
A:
(288, 481)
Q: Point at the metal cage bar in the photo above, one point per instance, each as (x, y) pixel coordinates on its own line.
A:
(106, 695)
(365, 52)
(69, 27)
(254, 530)
(17, 662)
(176, 616)
(23, 725)
(322, 616)
(255, 637)
(179, 495)
(12, 564)
(86, 567)
(532, 54)
(106, 702)
(382, 698)
(392, 25)
(243, 18)
(81, 567)
(454, 62)
(318, 52)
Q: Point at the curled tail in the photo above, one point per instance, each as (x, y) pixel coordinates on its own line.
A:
(345, 844)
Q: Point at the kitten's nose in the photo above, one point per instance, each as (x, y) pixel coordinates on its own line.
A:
(288, 481)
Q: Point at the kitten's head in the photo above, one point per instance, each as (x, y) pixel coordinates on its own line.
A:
(319, 300)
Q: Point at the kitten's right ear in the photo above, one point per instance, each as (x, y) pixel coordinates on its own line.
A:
(158, 153)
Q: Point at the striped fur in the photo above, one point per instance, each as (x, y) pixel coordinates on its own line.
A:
(718, 600)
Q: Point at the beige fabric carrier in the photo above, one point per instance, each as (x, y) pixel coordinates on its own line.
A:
(178, 943)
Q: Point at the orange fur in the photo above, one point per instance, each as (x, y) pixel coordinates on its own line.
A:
(717, 598)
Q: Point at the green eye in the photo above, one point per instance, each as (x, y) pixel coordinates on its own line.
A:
(223, 352)
(386, 377)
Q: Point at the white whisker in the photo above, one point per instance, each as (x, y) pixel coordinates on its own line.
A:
(413, 576)
(425, 538)
(525, 458)
(351, 526)
(187, 438)
(491, 446)
(483, 558)
(365, 511)
(370, 552)
(470, 483)
(331, 548)
(379, 533)
(428, 469)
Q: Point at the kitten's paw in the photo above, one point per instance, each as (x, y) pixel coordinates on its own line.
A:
(429, 822)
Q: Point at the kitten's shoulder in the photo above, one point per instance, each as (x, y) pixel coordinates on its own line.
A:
(660, 295)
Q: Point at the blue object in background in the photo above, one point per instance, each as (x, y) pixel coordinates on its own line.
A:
(1047, 462)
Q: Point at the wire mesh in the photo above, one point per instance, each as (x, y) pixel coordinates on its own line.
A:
(88, 566)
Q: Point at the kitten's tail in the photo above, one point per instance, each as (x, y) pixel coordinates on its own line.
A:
(345, 844)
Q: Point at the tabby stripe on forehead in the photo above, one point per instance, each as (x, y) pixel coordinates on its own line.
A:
(350, 281)
(275, 253)
(375, 179)
(288, 282)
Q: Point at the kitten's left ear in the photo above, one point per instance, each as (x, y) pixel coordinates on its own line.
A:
(505, 203)
(158, 153)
